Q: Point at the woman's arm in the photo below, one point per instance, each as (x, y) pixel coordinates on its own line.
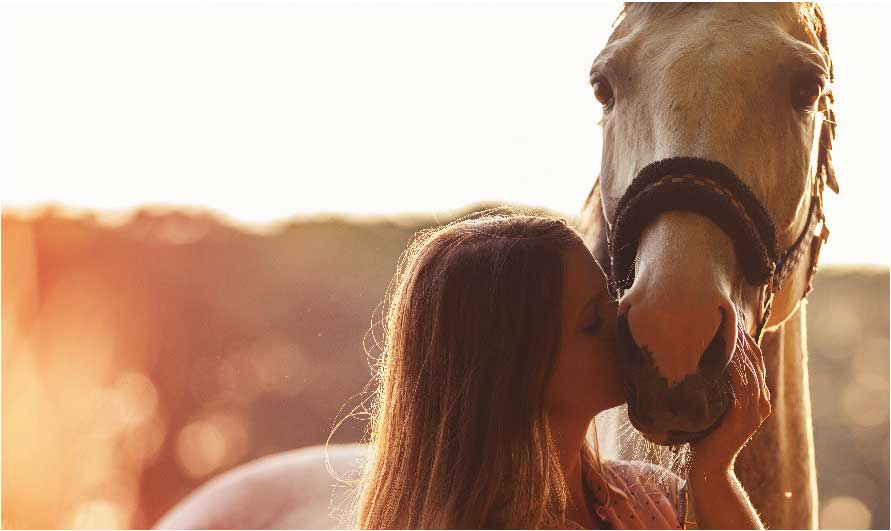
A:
(721, 502)
(719, 499)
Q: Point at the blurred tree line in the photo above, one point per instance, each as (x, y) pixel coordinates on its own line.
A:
(141, 359)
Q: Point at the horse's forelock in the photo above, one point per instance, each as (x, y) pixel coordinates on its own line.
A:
(659, 9)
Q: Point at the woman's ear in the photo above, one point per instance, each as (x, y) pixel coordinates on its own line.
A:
(595, 230)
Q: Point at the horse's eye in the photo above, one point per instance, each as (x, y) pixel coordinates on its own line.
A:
(603, 92)
(807, 92)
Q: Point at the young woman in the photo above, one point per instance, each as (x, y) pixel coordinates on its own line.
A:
(499, 351)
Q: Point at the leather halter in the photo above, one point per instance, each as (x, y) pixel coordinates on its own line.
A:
(711, 189)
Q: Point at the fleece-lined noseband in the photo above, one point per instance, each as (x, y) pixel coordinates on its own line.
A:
(711, 189)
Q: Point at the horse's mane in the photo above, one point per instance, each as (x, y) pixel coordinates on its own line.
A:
(812, 13)
(658, 9)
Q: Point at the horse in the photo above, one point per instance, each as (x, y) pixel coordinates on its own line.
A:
(707, 216)
(719, 104)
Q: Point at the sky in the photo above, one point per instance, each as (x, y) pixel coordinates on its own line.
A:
(265, 110)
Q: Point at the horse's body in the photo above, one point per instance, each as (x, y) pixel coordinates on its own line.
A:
(292, 490)
(719, 82)
(289, 490)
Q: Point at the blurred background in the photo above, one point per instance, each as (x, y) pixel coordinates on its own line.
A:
(203, 203)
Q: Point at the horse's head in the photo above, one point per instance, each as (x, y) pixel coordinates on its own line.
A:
(743, 85)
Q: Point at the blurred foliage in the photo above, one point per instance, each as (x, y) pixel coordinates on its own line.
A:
(848, 354)
(139, 360)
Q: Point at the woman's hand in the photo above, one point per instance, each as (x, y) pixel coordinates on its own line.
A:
(716, 452)
(719, 500)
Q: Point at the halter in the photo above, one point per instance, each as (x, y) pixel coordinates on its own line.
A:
(711, 189)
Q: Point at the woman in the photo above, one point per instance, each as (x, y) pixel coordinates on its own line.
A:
(499, 352)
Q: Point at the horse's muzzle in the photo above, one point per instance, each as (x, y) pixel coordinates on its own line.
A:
(674, 414)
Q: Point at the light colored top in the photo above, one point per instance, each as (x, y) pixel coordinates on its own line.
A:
(642, 496)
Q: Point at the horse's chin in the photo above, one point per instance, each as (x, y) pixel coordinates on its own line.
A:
(653, 416)
(669, 437)
(675, 437)
(661, 438)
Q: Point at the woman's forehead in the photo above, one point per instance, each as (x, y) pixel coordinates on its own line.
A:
(583, 280)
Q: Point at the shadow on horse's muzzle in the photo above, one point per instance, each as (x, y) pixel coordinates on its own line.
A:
(679, 413)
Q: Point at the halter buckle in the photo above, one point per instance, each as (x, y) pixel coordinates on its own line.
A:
(816, 246)
(819, 240)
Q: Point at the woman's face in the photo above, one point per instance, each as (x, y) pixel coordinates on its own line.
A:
(587, 378)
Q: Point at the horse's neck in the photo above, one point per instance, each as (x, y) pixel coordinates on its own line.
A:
(777, 467)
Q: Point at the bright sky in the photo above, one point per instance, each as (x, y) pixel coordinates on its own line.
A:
(269, 109)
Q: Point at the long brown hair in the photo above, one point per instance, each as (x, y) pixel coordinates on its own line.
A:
(459, 436)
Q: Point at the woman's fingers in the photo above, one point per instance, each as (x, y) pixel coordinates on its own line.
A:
(738, 380)
(757, 365)
(766, 406)
(759, 356)
(752, 385)
(748, 378)
(756, 393)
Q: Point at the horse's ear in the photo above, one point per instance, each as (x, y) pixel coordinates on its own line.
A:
(595, 230)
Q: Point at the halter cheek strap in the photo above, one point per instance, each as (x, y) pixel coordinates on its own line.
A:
(811, 238)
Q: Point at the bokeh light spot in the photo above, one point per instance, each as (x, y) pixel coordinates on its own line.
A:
(143, 445)
(865, 400)
(845, 512)
(135, 398)
(101, 514)
(209, 444)
(201, 448)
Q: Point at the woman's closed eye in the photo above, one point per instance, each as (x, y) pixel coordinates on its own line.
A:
(594, 326)
(590, 317)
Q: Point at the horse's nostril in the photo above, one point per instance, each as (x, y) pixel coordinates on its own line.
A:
(710, 363)
(716, 355)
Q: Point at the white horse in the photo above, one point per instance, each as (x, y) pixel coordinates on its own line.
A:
(289, 490)
(308, 488)
(735, 100)
(741, 84)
